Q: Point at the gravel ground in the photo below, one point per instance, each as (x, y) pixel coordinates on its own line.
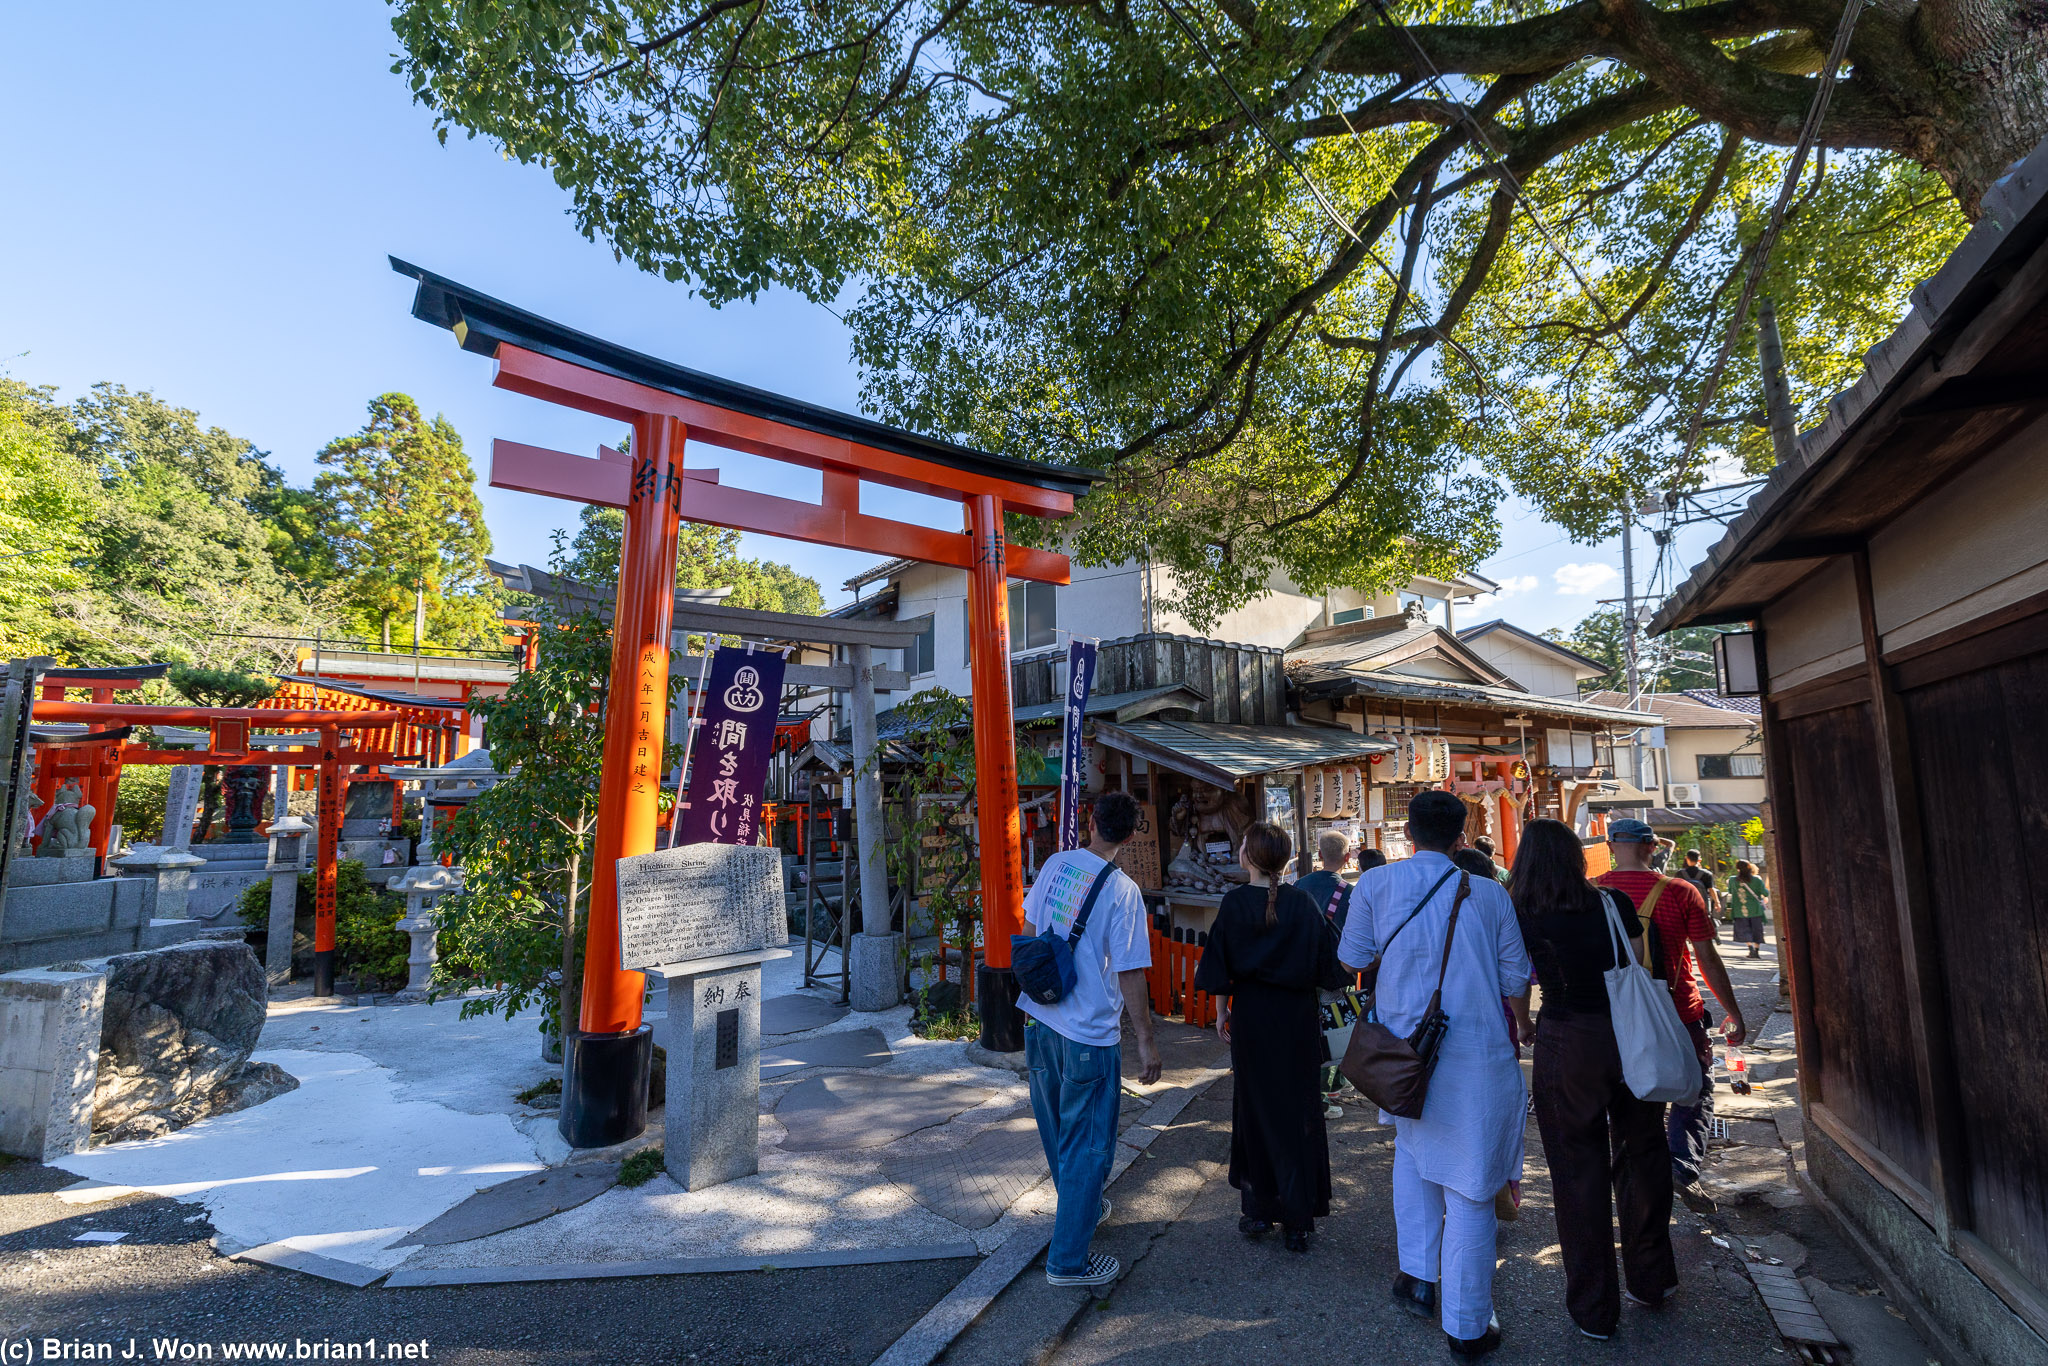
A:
(163, 1280)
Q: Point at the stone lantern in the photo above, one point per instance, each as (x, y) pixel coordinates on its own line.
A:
(424, 886)
(288, 850)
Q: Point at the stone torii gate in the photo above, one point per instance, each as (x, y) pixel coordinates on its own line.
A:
(666, 405)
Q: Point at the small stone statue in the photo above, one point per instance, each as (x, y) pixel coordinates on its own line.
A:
(67, 826)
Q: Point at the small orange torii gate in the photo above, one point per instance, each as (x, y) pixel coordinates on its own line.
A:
(347, 740)
(430, 728)
(609, 1057)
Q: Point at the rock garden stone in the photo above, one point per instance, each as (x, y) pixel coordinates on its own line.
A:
(179, 1025)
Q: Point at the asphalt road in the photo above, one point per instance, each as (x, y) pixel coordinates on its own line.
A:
(163, 1281)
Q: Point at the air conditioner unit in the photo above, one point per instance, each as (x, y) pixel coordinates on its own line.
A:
(1683, 794)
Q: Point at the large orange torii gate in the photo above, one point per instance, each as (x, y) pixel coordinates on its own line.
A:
(665, 405)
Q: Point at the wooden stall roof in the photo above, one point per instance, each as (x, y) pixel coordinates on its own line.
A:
(1326, 684)
(1957, 378)
(1222, 754)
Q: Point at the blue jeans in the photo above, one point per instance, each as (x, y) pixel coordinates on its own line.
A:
(1076, 1089)
(1686, 1126)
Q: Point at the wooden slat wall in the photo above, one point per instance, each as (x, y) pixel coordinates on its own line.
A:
(1981, 751)
(1245, 685)
(1864, 1068)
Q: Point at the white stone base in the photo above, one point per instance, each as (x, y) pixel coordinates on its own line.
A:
(49, 1060)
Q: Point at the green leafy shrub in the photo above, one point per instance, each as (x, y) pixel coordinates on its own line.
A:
(369, 948)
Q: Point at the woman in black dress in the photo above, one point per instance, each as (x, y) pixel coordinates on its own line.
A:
(1606, 1149)
(1269, 951)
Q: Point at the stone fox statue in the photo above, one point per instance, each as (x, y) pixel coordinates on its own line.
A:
(67, 826)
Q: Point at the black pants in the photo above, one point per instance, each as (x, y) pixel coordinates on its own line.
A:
(1599, 1138)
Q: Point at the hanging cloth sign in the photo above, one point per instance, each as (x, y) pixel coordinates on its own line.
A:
(742, 695)
(1073, 748)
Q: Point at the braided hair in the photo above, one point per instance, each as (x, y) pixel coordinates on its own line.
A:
(1268, 848)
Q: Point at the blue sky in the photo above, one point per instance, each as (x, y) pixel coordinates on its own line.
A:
(202, 200)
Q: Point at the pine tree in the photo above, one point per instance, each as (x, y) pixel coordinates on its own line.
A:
(405, 521)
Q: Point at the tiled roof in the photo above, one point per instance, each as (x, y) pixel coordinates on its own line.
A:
(1678, 709)
(1748, 706)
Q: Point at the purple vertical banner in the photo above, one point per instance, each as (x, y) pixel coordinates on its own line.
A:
(730, 752)
(1073, 748)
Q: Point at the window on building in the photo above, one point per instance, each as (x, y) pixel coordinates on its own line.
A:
(922, 657)
(1350, 614)
(1731, 765)
(1034, 616)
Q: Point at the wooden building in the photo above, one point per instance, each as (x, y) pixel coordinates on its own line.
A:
(1895, 574)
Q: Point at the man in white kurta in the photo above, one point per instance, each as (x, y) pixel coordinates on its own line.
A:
(1449, 1163)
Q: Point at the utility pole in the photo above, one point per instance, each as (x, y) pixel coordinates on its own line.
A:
(1770, 351)
(1628, 637)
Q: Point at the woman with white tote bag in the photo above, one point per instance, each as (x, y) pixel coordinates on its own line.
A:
(1604, 1142)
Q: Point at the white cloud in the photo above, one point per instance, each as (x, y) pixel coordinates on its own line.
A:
(1508, 588)
(1583, 580)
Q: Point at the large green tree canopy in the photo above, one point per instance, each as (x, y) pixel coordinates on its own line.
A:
(1308, 284)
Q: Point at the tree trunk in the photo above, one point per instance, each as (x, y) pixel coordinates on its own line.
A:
(209, 801)
(385, 618)
(569, 998)
(1988, 60)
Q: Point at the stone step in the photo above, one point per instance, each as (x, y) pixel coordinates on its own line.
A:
(157, 933)
(39, 953)
(73, 908)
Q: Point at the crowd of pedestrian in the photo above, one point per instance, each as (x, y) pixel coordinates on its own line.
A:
(1446, 945)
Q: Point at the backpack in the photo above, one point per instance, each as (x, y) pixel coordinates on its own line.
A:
(1044, 963)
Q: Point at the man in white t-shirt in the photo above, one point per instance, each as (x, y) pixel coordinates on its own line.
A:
(1074, 1045)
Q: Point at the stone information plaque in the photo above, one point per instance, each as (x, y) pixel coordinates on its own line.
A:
(699, 901)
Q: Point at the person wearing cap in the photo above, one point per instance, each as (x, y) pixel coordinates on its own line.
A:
(1681, 932)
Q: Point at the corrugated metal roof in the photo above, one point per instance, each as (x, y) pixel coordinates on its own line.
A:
(1223, 754)
(1706, 813)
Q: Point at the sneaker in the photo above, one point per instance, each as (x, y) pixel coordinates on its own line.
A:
(1696, 1199)
(1103, 1217)
(1102, 1269)
(1332, 1110)
(1634, 1298)
(1597, 1337)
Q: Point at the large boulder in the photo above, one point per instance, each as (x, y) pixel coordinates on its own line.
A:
(180, 1024)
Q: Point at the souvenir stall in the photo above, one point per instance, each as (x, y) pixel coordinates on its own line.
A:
(1200, 786)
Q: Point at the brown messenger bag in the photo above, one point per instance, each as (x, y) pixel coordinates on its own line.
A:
(1391, 1071)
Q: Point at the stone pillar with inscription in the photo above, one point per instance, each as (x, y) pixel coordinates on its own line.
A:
(706, 917)
(713, 1113)
(181, 805)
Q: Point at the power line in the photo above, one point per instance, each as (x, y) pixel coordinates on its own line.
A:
(1484, 143)
(1816, 112)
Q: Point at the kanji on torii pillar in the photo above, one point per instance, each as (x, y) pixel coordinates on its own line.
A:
(607, 1058)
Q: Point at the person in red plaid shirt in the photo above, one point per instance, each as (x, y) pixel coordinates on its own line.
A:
(1683, 933)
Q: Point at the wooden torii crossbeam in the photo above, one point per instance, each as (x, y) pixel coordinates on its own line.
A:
(666, 405)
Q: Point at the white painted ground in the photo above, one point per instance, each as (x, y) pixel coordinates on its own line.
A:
(403, 1111)
(341, 1166)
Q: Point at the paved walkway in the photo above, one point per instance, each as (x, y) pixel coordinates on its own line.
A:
(1195, 1290)
(875, 1144)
